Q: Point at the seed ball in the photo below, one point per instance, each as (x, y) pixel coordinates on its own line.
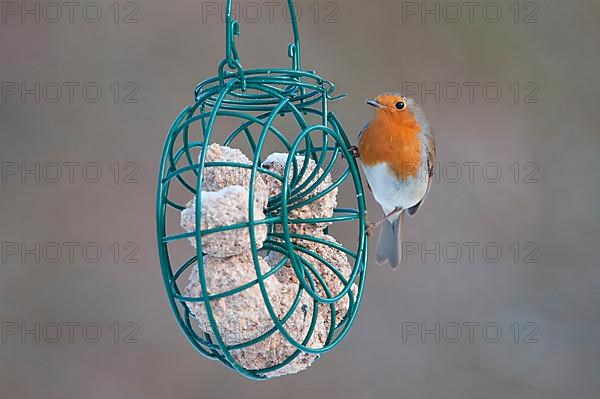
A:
(276, 349)
(216, 178)
(243, 316)
(226, 207)
(240, 317)
(320, 208)
(336, 258)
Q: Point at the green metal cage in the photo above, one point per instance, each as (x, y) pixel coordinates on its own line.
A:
(256, 99)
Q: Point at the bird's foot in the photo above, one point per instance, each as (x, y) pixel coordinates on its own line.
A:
(370, 228)
(373, 226)
(354, 151)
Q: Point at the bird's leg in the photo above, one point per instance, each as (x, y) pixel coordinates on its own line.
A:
(354, 151)
(373, 226)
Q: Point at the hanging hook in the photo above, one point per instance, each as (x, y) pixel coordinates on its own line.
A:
(294, 48)
(232, 55)
(232, 27)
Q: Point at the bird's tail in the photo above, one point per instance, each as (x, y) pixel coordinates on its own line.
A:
(389, 247)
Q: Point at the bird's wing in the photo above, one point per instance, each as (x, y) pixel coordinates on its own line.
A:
(431, 159)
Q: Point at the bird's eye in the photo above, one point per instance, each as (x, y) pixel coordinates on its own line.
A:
(400, 105)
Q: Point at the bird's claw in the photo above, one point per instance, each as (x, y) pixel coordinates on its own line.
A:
(370, 228)
(354, 151)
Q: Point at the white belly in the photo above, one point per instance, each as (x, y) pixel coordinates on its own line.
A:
(392, 193)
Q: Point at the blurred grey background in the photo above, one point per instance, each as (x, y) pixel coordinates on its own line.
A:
(94, 322)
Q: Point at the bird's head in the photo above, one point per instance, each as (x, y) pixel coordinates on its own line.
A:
(395, 106)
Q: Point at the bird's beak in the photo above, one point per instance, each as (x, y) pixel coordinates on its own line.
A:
(375, 103)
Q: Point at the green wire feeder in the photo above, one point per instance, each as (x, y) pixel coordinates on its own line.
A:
(292, 301)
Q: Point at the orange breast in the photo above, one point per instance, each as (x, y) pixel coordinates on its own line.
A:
(395, 142)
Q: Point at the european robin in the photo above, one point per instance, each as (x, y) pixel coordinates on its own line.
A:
(397, 153)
